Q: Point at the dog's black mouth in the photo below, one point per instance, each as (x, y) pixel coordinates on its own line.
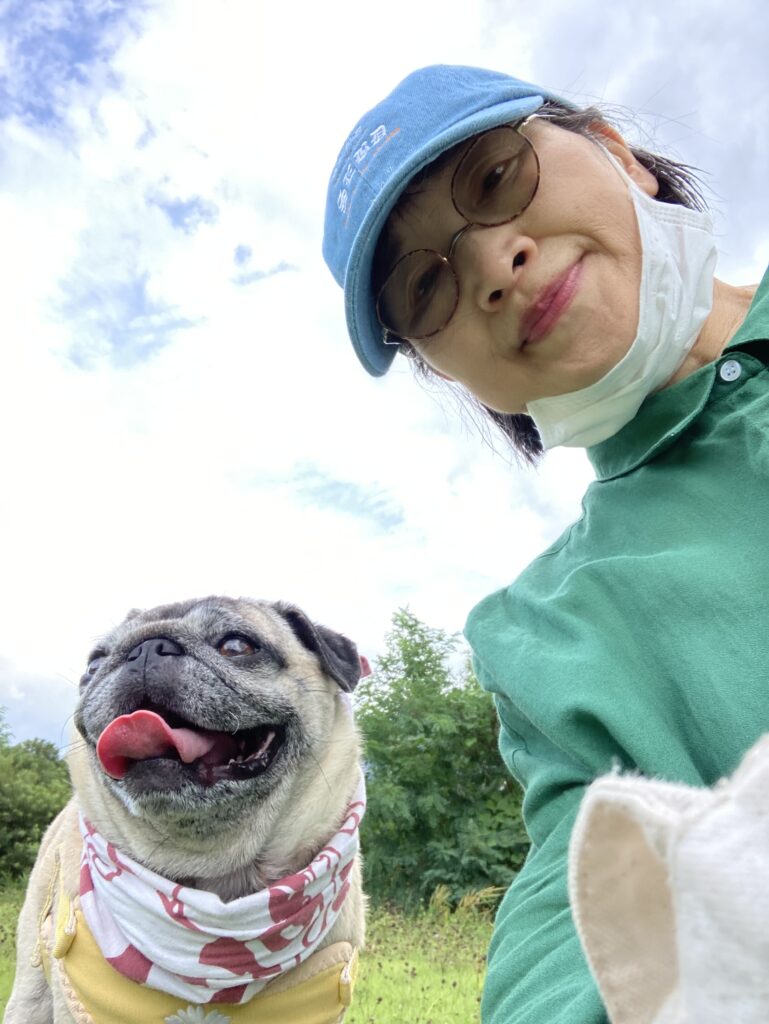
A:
(156, 739)
(253, 753)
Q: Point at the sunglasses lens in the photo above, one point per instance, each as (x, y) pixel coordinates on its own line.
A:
(419, 297)
(496, 178)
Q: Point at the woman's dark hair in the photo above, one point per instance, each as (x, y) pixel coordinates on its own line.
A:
(678, 184)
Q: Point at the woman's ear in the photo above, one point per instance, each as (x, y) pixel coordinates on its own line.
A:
(611, 140)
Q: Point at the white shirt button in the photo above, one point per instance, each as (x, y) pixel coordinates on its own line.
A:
(730, 370)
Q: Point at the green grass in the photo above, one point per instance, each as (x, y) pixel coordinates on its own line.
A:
(11, 896)
(425, 969)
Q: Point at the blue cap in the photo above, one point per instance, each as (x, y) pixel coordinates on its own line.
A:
(429, 112)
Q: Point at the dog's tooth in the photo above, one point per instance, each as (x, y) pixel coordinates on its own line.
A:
(269, 737)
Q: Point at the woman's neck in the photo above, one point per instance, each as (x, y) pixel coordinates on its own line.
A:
(730, 307)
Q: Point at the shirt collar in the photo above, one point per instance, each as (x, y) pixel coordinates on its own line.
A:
(664, 416)
(658, 423)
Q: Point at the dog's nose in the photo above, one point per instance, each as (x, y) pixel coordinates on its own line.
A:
(155, 647)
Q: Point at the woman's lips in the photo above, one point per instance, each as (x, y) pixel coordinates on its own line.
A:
(540, 318)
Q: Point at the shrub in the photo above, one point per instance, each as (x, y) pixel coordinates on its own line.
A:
(442, 809)
(34, 786)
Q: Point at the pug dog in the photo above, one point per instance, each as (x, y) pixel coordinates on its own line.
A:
(207, 867)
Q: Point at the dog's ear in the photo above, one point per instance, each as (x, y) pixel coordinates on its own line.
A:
(338, 656)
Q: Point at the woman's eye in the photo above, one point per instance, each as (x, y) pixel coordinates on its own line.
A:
(501, 172)
(235, 647)
(425, 286)
(493, 178)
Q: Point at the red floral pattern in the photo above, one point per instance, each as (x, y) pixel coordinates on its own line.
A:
(189, 943)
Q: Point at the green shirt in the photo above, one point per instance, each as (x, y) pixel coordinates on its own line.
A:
(640, 639)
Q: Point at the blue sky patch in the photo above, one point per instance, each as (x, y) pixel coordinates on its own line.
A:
(324, 491)
(118, 320)
(53, 46)
(242, 255)
(187, 214)
(250, 276)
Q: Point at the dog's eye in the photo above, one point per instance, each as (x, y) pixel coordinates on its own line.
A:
(235, 646)
(93, 666)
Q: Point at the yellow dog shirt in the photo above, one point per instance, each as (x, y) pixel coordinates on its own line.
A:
(317, 992)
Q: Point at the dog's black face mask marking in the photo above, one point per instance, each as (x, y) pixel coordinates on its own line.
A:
(161, 734)
(191, 705)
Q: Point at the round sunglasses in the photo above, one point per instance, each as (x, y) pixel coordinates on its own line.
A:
(493, 183)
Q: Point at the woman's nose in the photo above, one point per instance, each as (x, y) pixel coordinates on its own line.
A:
(489, 263)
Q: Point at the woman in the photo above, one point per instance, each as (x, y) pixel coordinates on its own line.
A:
(523, 250)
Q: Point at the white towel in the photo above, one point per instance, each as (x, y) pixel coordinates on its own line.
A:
(669, 887)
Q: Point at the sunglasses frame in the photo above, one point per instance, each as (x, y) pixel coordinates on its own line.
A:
(390, 337)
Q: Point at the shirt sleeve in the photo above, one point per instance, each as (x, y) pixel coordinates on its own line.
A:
(537, 971)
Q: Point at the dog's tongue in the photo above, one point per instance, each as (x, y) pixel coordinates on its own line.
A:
(145, 734)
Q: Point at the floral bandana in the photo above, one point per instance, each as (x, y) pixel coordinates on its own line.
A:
(189, 943)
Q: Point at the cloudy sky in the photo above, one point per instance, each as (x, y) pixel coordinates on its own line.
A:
(180, 410)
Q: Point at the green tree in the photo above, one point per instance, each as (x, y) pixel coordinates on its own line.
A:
(34, 786)
(442, 809)
(5, 732)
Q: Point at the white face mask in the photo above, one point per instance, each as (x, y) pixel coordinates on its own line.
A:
(676, 296)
